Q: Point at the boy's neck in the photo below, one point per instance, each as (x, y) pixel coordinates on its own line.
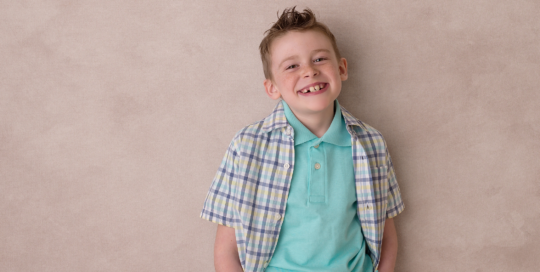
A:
(317, 123)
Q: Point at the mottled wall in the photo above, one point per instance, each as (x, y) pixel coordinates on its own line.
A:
(114, 117)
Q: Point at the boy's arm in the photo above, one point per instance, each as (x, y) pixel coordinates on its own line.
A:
(389, 247)
(225, 251)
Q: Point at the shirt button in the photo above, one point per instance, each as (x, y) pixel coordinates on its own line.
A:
(286, 166)
(317, 166)
(316, 146)
(277, 216)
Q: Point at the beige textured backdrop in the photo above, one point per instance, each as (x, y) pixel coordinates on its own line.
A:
(114, 117)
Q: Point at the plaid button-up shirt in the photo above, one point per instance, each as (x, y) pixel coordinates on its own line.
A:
(250, 189)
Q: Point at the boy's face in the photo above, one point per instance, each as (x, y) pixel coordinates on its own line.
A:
(301, 61)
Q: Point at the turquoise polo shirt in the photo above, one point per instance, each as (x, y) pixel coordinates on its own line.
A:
(321, 230)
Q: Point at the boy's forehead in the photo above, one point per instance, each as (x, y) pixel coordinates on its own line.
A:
(293, 42)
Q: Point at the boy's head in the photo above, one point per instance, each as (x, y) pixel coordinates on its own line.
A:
(302, 64)
(292, 20)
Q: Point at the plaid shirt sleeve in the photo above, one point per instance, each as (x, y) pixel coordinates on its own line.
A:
(220, 205)
(394, 203)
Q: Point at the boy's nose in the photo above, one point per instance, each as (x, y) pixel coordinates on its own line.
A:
(310, 71)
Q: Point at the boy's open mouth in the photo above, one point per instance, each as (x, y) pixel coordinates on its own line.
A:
(314, 88)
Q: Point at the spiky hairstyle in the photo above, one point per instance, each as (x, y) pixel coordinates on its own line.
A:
(292, 20)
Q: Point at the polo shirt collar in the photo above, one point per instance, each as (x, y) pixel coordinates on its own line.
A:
(301, 133)
(336, 134)
(277, 119)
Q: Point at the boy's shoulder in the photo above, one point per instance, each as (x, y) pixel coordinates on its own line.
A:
(360, 128)
(262, 129)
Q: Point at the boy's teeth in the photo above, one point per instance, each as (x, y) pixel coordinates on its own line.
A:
(313, 88)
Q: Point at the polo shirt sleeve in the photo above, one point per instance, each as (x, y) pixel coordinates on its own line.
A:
(394, 203)
(220, 204)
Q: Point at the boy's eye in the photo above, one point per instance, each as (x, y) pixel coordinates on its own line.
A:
(319, 59)
(291, 66)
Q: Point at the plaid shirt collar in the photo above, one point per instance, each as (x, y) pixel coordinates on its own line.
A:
(277, 119)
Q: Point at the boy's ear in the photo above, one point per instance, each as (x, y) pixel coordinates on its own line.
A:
(343, 69)
(271, 89)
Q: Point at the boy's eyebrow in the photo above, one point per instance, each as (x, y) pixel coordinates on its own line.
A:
(319, 50)
(289, 58)
(314, 51)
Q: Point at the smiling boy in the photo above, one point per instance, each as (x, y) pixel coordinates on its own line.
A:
(310, 187)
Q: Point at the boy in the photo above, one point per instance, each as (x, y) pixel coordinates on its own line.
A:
(310, 187)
